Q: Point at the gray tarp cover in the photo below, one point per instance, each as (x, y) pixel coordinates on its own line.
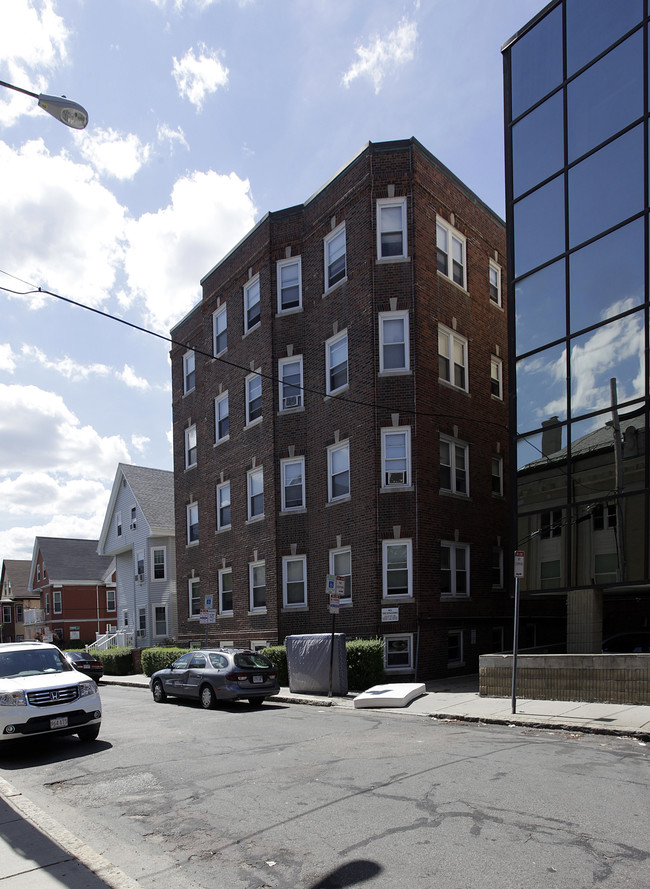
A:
(308, 660)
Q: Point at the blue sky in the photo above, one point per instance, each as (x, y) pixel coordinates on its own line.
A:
(204, 115)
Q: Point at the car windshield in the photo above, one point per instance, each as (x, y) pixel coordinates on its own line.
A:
(252, 660)
(32, 663)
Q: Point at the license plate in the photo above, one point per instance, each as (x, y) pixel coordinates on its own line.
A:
(258, 679)
(59, 722)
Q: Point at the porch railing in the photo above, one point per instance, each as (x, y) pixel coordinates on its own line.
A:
(116, 639)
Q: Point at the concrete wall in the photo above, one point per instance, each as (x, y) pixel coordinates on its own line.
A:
(606, 678)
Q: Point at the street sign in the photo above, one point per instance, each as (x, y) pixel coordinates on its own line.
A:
(208, 616)
(389, 615)
(519, 563)
(340, 586)
(335, 602)
(208, 601)
(330, 583)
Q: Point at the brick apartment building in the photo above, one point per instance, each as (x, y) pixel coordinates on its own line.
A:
(338, 409)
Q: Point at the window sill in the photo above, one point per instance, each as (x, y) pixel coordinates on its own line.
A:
(291, 410)
(456, 496)
(294, 310)
(332, 396)
(223, 530)
(397, 372)
(497, 305)
(191, 543)
(255, 611)
(449, 385)
(290, 609)
(388, 489)
(299, 511)
(452, 282)
(396, 600)
(219, 354)
(252, 329)
(193, 466)
(391, 260)
(226, 614)
(498, 398)
(336, 286)
(449, 598)
(257, 518)
(255, 422)
(189, 391)
(345, 499)
(221, 441)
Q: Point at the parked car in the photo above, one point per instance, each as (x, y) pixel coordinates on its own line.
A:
(210, 675)
(42, 694)
(85, 663)
(631, 643)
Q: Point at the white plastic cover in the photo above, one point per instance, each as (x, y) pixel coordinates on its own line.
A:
(308, 660)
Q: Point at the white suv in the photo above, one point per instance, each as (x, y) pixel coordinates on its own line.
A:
(42, 694)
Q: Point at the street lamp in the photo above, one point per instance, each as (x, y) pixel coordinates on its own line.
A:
(69, 113)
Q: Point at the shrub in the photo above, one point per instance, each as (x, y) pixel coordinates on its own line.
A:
(277, 654)
(156, 658)
(116, 661)
(365, 658)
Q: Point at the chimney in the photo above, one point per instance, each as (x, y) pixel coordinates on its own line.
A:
(551, 436)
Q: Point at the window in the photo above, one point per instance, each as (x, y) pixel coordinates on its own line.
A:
(497, 566)
(38, 572)
(134, 513)
(604, 516)
(289, 284)
(397, 569)
(47, 603)
(454, 466)
(193, 523)
(290, 382)
(393, 341)
(125, 618)
(118, 530)
(255, 482)
(336, 363)
(20, 616)
(57, 603)
(194, 589)
(6, 614)
(160, 620)
(454, 648)
(450, 253)
(253, 398)
(225, 591)
(221, 417)
(189, 372)
(391, 228)
(551, 521)
(142, 621)
(158, 563)
(338, 471)
(606, 568)
(252, 312)
(496, 377)
(396, 457)
(495, 283)
(257, 586)
(497, 475)
(335, 269)
(294, 581)
(454, 570)
(139, 565)
(398, 653)
(190, 447)
(111, 600)
(341, 566)
(452, 358)
(223, 506)
(550, 574)
(293, 483)
(220, 331)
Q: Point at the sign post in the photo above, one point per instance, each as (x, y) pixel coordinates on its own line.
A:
(519, 572)
(335, 588)
(208, 615)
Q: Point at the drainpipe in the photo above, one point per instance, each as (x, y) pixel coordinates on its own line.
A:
(97, 598)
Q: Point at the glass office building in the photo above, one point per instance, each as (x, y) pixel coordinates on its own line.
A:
(577, 149)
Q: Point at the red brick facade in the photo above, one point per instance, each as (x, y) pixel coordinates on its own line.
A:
(440, 633)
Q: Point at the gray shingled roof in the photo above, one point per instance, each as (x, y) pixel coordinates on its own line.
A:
(67, 558)
(17, 572)
(154, 491)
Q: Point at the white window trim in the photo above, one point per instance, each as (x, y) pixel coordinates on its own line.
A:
(345, 600)
(497, 363)
(400, 668)
(335, 447)
(452, 337)
(285, 561)
(326, 242)
(453, 444)
(499, 458)
(385, 432)
(191, 581)
(333, 341)
(248, 381)
(453, 546)
(495, 267)
(154, 622)
(111, 591)
(218, 400)
(188, 447)
(283, 465)
(248, 286)
(258, 470)
(281, 264)
(155, 549)
(118, 533)
(295, 401)
(222, 573)
(260, 609)
(394, 316)
(452, 233)
(221, 486)
(385, 546)
(57, 597)
(392, 202)
(192, 506)
(216, 316)
(187, 357)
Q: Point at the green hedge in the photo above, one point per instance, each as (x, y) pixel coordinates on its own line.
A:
(277, 654)
(365, 658)
(116, 661)
(156, 658)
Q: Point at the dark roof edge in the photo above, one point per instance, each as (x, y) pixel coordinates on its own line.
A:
(536, 18)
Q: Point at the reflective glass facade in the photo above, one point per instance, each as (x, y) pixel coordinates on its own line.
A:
(577, 162)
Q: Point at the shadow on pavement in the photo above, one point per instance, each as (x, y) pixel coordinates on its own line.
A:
(350, 874)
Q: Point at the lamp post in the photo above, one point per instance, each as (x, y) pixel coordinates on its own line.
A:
(69, 113)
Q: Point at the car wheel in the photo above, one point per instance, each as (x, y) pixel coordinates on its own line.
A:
(256, 702)
(88, 734)
(158, 692)
(208, 700)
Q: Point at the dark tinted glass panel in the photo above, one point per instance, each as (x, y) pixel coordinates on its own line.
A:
(606, 278)
(539, 226)
(606, 98)
(536, 62)
(541, 388)
(540, 308)
(593, 25)
(537, 145)
(607, 187)
(615, 350)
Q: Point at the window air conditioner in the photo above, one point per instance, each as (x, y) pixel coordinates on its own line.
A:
(141, 633)
(132, 526)
(291, 401)
(396, 478)
(139, 578)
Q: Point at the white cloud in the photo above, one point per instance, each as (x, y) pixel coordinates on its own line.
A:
(112, 153)
(67, 367)
(169, 250)
(384, 55)
(140, 442)
(39, 493)
(166, 134)
(197, 76)
(7, 358)
(18, 542)
(39, 433)
(129, 376)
